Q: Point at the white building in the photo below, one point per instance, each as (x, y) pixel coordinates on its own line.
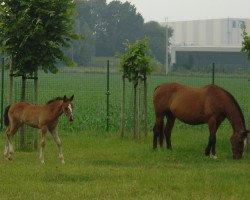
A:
(211, 35)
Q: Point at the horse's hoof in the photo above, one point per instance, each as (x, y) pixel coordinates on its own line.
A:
(62, 161)
(213, 156)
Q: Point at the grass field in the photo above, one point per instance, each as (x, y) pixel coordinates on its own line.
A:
(102, 166)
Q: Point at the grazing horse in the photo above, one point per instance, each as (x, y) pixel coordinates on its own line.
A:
(208, 105)
(44, 117)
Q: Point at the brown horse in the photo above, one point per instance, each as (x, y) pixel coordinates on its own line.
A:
(44, 117)
(208, 105)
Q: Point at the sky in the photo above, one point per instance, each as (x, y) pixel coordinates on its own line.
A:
(183, 10)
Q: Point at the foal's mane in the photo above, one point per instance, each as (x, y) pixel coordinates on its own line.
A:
(53, 100)
(236, 105)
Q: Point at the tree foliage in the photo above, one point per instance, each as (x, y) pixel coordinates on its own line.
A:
(107, 26)
(135, 62)
(157, 42)
(33, 33)
(246, 43)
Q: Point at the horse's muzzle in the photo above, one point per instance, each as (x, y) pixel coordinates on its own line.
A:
(71, 119)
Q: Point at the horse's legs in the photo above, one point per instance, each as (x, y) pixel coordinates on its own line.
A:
(158, 131)
(168, 130)
(210, 149)
(6, 149)
(10, 131)
(41, 157)
(59, 143)
(155, 137)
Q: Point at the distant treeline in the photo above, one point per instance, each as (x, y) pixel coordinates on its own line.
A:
(107, 26)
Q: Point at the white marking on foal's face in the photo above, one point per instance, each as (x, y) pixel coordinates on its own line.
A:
(70, 112)
(70, 109)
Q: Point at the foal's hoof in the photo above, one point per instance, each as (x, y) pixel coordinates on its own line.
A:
(214, 157)
(42, 162)
(63, 162)
(7, 158)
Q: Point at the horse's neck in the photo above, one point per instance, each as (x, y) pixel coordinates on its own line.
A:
(56, 108)
(235, 118)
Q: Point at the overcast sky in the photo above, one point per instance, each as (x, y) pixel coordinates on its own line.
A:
(182, 10)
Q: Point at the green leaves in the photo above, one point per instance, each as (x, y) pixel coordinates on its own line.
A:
(135, 62)
(34, 32)
(246, 43)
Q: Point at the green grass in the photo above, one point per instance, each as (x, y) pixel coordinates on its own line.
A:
(103, 166)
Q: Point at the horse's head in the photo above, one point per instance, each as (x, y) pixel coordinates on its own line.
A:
(68, 107)
(238, 142)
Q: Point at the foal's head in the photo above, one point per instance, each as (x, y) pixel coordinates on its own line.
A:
(68, 107)
(238, 142)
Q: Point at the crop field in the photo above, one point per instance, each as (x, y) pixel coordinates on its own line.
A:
(101, 165)
(90, 96)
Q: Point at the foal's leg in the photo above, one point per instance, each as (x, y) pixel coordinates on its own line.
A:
(6, 148)
(10, 131)
(59, 144)
(44, 131)
(168, 130)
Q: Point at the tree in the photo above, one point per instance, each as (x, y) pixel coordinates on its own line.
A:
(119, 22)
(135, 63)
(157, 43)
(34, 32)
(246, 48)
(246, 43)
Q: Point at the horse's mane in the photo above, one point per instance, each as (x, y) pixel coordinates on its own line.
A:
(53, 100)
(236, 104)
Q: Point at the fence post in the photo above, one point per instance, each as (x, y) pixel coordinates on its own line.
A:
(2, 93)
(213, 66)
(107, 93)
(123, 107)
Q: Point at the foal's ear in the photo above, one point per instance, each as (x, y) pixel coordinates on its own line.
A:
(71, 98)
(64, 98)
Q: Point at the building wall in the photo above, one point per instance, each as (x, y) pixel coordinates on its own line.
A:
(211, 32)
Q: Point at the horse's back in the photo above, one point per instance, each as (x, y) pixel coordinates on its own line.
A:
(190, 105)
(24, 112)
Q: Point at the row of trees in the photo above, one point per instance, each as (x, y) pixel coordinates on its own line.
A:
(107, 26)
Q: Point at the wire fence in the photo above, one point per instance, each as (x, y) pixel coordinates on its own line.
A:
(97, 102)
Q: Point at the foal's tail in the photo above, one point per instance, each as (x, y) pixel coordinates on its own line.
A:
(6, 116)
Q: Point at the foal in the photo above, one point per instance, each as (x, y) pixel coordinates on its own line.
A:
(44, 117)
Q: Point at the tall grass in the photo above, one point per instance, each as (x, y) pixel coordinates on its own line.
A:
(102, 166)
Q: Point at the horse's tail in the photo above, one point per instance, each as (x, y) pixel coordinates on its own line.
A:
(6, 116)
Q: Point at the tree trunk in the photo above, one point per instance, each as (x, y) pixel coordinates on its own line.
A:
(10, 92)
(35, 143)
(139, 108)
(21, 132)
(123, 107)
(145, 107)
(135, 108)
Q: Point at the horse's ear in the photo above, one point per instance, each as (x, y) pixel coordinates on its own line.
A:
(71, 98)
(64, 98)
